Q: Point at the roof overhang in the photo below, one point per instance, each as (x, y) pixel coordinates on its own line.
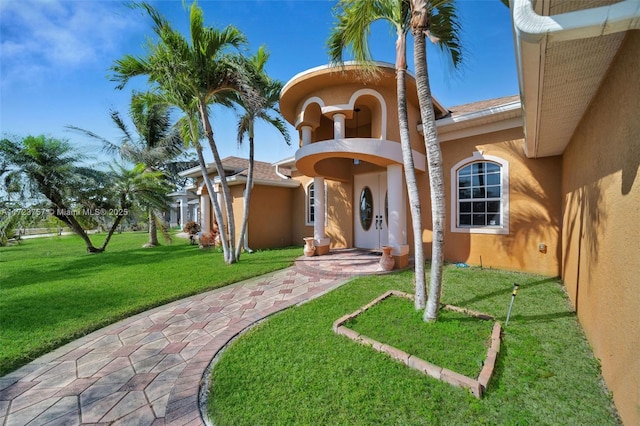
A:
(563, 52)
(488, 120)
(241, 179)
(237, 179)
(196, 172)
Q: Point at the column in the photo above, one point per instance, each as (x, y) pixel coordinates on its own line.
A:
(173, 214)
(320, 240)
(338, 126)
(205, 208)
(184, 211)
(397, 228)
(306, 135)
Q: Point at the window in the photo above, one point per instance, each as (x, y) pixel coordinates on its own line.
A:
(480, 195)
(311, 201)
(366, 209)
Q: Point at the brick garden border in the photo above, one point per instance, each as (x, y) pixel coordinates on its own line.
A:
(476, 386)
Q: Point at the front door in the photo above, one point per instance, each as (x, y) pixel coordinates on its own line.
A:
(370, 212)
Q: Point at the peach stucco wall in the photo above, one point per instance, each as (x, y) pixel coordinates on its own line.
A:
(264, 232)
(270, 217)
(601, 227)
(534, 208)
(335, 89)
(339, 223)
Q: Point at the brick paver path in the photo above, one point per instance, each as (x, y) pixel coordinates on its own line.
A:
(147, 370)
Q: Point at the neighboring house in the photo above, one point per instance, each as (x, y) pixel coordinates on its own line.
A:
(544, 182)
(184, 207)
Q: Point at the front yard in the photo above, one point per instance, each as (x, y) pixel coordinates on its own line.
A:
(52, 291)
(293, 369)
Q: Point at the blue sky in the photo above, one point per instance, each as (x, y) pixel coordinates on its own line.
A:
(55, 59)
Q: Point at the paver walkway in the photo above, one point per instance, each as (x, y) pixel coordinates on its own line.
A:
(147, 369)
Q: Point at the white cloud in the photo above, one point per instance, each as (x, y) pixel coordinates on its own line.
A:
(60, 35)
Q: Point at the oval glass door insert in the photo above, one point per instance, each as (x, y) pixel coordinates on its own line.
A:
(366, 208)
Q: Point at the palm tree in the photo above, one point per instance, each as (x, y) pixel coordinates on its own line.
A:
(438, 20)
(354, 21)
(133, 186)
(269, 92)
(155, 143)
(191, 74)
(49, 166)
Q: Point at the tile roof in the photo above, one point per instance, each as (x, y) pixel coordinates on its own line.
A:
(481, 105)
(261, 169)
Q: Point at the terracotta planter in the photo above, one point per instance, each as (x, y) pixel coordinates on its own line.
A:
(309, 248)
(387, 262)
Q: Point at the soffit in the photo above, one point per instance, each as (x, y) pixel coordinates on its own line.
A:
(568, 75)
(573, 71)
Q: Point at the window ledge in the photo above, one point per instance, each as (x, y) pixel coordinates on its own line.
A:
(493, 230)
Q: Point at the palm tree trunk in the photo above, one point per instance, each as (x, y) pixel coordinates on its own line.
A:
(247, 198)
(214, 200)
(153, 229)
(410, 173)
(207, 181)
(230, 255)
(111, 231)
(436, 174)
(79, 230)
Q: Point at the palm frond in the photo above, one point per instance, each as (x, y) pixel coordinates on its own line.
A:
(444, 24)
(352, 29)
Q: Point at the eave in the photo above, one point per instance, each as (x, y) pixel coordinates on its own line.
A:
(561, 60)
(488, 120)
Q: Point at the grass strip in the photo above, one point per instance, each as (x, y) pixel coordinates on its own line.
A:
(394, 321)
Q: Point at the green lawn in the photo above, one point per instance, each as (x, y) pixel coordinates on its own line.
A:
(395, 322)
(292, 369)
(52, 291)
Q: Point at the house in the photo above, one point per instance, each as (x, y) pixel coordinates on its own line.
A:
(579, 74)
(272, 198)
(545, 181)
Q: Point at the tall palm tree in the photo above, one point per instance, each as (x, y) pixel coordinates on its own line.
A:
(266, 109)
(192, 74)
(354, 21)
(155, 143)
(436, 19)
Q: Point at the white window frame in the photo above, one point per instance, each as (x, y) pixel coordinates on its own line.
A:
(307, 205)
(503, 228)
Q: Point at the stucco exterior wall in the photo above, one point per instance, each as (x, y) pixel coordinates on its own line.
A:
(339, 223)
(299, 228)
(335, 89)
(263, 232)
(269, 218)
(534, 208)
(601, 227)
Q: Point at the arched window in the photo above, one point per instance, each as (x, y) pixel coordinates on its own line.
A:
(480, 195)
